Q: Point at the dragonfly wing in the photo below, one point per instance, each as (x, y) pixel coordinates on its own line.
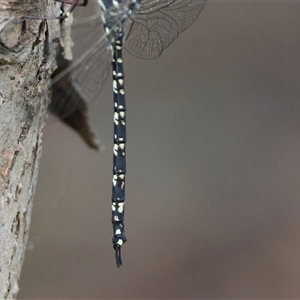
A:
(84, 76)
(158, 23)
(80, 80)
(74, 112)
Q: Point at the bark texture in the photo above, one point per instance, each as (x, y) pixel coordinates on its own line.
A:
(27, 59)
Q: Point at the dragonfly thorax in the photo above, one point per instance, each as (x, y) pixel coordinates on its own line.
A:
(116, 12)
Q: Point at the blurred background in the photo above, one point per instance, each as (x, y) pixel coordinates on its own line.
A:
(213, 182)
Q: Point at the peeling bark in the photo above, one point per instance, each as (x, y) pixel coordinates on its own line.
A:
(27, 60)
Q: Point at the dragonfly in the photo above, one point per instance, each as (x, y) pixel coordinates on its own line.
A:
(144, 28)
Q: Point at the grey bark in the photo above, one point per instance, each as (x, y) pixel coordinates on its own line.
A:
(26, 64)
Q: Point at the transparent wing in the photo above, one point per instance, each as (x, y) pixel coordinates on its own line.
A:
(158, 23)
(83, 77)
(90, 65)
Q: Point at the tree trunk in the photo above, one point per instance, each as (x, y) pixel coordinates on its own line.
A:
(27, 59)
